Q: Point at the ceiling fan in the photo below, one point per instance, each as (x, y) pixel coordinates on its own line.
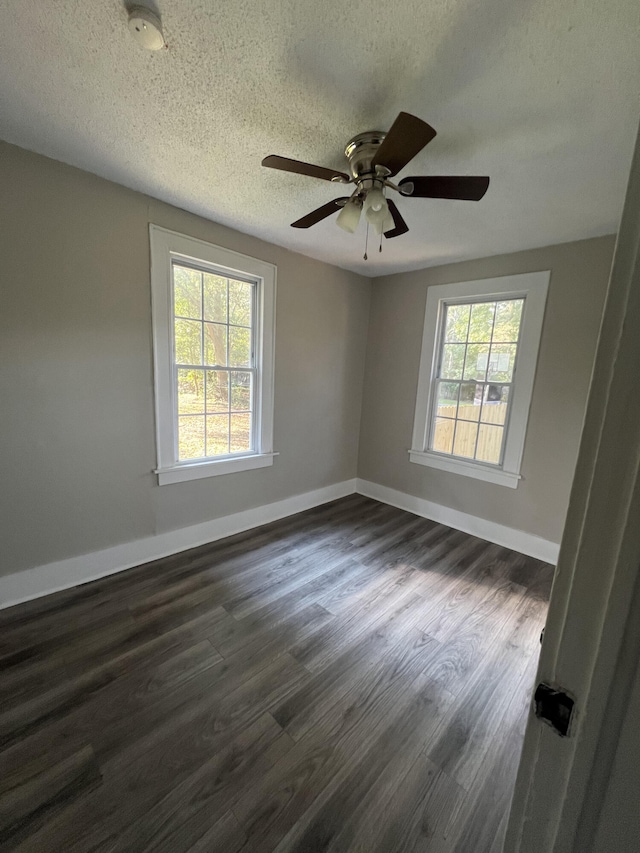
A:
(374, 157)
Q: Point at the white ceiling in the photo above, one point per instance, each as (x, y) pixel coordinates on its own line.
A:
(539, 94)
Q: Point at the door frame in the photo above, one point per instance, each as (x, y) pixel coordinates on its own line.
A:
(591, 645)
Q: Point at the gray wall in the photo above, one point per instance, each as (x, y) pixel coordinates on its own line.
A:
(579, 277)
(76, 384)
(77, 419)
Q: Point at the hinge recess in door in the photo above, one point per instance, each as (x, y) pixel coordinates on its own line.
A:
(554, 707)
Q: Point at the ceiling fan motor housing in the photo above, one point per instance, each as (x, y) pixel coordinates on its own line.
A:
(360, 152)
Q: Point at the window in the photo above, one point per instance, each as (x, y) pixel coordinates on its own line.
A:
(213, 323)
(473, 377)
(479, 354)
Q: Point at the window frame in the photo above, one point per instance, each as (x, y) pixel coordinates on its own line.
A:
(533, 288)
(167, 246)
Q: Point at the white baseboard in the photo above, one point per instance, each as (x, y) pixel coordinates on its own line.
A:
(63, 574)
(518, 540)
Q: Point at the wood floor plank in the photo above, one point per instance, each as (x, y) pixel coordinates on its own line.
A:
(466, 738)
(343, 576)
(474, 640)
(478, 586)
(160, 757)
(225, 835)
(177, 821)
(116, 646)
(264, 642)
(71, 696)
(227, 692)
(352, 679)
(350, 813)
(357, 689)
(417, 812)
(327, 643)
(270, 589)
(342, 683)
(479, 822)
(329, 756)
(34, 800)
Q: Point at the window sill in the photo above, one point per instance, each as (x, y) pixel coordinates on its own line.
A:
(466, 469)
(214, 468)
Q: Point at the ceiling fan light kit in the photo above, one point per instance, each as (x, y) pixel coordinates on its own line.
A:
(374, 157)
(349, 216)
(375, 200)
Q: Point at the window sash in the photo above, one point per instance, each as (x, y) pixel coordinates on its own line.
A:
(456, 420)
(438, 377)
(253, 372)
(252, 369)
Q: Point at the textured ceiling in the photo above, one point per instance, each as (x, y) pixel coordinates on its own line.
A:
(540, 95)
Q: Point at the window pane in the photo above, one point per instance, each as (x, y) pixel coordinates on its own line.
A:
(507, 323)
(187, 295)
(481, 322)
(470, 401)
(188, 342)
(215, 298)
(217, 435)
(501, 363)
(215, 343)
(240, 391)
(217, 391)
(190, 392)
(494, 410)
(465, 439)
(489, 444)
(240, 433)
(475, 366)
(240, 297)
(452, 361)
(447, 399)
(457, 323)
(190, 437)
(239, 347)
(443, 435)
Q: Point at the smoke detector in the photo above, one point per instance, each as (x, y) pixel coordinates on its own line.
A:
(146, 28)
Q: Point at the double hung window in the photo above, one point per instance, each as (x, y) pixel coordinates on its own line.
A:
(479, 354)
(213, 313)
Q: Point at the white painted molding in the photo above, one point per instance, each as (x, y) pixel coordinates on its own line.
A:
(466, 467)
(213, 467)
(518, 540)
(63, 574)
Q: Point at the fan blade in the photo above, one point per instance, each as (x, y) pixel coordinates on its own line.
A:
(300, 168)
(469, 188)
(408, 136)
(398, 221)
(319, 213)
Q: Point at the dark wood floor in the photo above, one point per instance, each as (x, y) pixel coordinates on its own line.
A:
(353, 678)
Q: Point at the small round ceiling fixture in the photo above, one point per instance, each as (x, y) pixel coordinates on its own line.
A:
(146, 28)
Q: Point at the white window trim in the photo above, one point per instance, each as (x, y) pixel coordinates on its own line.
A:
(533, 287)
(166, 245)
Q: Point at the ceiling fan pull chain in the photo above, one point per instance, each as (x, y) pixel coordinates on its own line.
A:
(380, 249)
(366, 244)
